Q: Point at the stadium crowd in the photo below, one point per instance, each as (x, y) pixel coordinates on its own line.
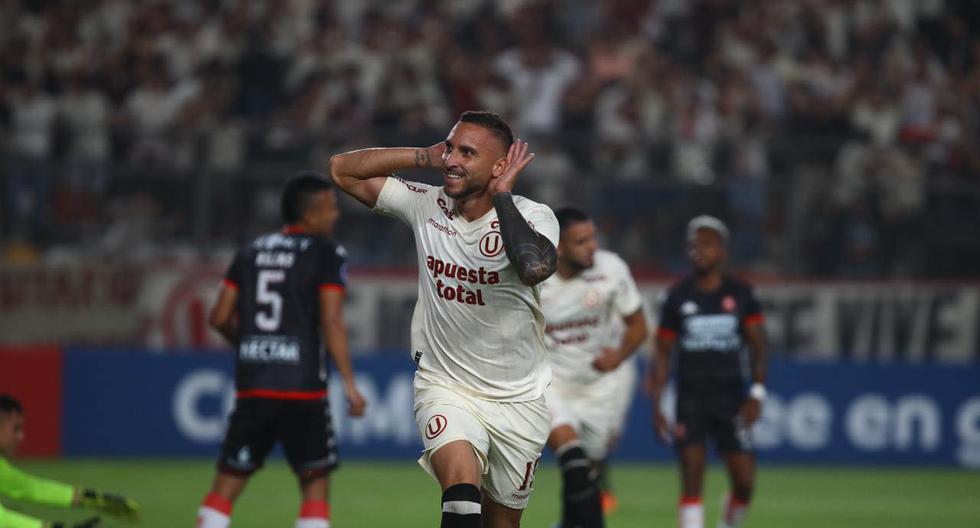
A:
(838, 137)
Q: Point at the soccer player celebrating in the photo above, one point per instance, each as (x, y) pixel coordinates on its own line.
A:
(709, 318)
(477, 332)
(18, 485)
(281, 300)
(586, 304)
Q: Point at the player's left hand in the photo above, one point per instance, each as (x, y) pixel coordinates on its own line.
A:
(355, 401)
(517, 158)
(750, 411)
(608, 360)
(111, 504)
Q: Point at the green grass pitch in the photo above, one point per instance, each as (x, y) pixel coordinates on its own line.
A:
(384, 494)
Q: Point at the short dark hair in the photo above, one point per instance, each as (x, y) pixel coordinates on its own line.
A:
(297, 193)
(570, 215)
(491, 122)
(10, 404)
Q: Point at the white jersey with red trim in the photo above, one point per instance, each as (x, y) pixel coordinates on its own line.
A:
(476, 326)
(584, 314)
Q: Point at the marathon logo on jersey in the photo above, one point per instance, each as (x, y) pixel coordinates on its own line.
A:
(446, 230)
(269, 349)
(712, 333)
(440, 268)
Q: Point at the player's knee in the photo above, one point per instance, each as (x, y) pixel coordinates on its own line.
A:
(561, 436)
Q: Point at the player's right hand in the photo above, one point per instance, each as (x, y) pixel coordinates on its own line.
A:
(436, 153)
(88, 523)
(355, 401)
(661, 427)
(115, 505)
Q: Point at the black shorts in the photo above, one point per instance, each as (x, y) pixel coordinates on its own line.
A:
(303, 427)
(712, 412)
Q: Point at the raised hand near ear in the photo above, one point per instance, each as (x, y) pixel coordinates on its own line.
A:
(517, 158)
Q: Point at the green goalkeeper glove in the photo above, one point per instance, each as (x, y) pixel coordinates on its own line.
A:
(88, 523)
(115, 505)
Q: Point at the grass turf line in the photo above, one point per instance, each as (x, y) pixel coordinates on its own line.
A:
(398, 493)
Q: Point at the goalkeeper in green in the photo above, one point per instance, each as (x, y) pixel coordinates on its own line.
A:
(21, 486)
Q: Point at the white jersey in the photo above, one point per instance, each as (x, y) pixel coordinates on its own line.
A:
(476, 326)
(584, 315)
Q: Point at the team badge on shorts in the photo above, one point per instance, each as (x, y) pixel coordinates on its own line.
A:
(435, 426)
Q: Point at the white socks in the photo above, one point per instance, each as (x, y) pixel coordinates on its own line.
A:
(733, 512)
(215, 512)
(690, 512)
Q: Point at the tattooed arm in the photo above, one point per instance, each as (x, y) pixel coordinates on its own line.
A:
(531, 253)
(362, 173)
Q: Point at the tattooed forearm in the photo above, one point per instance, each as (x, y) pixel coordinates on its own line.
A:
(532, 254)
(422, 158)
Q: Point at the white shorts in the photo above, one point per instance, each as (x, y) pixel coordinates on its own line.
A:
(507, 437)
(596, 411)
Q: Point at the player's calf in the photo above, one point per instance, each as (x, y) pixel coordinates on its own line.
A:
(461, 506)
(580, 495)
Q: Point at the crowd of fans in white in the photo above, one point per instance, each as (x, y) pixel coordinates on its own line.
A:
(823, 129)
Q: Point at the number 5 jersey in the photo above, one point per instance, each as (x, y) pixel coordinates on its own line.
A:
(279, 277)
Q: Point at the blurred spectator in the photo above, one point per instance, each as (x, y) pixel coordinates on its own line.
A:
(869, 109)
(87, 114)
(539, 71)
(28, 174)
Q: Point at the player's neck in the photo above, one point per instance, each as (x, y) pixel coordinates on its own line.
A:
(567, 271)
(709, 281)
(474, 207)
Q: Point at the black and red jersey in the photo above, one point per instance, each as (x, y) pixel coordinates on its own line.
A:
(279, 277)
(710, 329)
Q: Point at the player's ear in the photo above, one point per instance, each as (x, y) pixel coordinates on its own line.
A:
(499, 167)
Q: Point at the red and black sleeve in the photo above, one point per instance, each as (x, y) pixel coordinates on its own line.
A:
(332, 268)
(235, 274)
(752, 315)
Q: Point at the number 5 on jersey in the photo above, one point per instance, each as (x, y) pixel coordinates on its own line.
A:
(269, 298)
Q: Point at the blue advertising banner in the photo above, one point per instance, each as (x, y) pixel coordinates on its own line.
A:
(136, 403)
(850, 413)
